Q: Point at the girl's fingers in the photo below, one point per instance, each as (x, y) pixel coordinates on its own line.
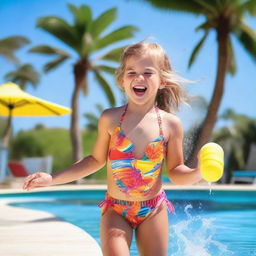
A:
(38, 179)
(29, 178)
(33, 184)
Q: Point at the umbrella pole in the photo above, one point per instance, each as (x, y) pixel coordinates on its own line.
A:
(7, 131)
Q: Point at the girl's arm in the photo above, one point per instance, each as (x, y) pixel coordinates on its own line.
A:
(179, 173)
(80, 169)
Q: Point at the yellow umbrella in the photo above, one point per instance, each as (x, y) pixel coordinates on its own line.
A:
(16, 102)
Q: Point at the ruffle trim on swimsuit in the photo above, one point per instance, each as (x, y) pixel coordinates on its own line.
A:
(154, 202)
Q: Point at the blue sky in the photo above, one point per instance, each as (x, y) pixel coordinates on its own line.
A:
(174, 31)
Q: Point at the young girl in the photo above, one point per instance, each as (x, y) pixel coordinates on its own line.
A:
(134, 140)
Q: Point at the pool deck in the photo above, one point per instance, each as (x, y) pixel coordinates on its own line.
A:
(25, 232)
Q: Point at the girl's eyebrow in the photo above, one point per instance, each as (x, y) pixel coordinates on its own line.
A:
(129, 68)
(147, 68)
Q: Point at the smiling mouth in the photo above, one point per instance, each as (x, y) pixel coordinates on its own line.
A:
(139, 90)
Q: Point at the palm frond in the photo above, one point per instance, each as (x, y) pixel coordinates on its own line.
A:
(208, 7)
(99, 107)
(223, 134)
(113, 55)
(54, 64)
(102, 22)
(207, 25)
(91, 117)
(117, 35)
(197, 49)
(247, 38)
(249, 6)
(105, 68)
(231, 59)
(82, 18)
(11, 44)
(14, 42)
(105, 86)
(23, 75)
(9, 55)
(46, 49)
(228, 114)
(60, 29)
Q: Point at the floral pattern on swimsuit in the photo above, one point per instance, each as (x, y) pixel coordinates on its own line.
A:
(133, 176)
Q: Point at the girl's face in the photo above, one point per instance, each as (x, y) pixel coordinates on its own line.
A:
(141, 79)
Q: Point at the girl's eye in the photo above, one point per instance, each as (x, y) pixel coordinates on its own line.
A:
(148, 73)
(131, 73)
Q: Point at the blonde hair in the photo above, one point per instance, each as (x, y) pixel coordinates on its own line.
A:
(172, 95)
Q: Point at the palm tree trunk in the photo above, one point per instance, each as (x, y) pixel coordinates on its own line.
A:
(205, 131)
(79, 72)
(74, 128)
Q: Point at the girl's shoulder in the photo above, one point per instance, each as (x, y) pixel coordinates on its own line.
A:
(112, 117)
(113, 113)
(172, 122)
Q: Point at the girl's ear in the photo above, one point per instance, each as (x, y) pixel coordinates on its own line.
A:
(122, 85)
(162, 84)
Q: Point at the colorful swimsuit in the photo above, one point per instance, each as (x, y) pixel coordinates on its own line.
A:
(135, 177)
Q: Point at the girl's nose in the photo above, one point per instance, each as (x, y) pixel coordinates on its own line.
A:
(139, 77)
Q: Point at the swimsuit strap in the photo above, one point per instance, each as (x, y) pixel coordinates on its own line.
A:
(122, 116)
(159, 121)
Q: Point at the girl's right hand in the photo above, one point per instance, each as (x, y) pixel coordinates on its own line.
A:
(38, 179)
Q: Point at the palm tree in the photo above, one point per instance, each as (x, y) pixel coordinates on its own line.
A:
(85, 37)
(93, 119)
(23, 75)
(8, 46)
(236, 138)
(11, 44)
(226, 18)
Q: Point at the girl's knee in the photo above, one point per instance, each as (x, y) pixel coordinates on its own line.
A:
(116, 233)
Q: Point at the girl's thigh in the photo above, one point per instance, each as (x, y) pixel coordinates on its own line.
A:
(152, 234)
(115, 234)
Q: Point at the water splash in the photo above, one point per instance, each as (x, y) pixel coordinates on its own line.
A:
(194, 235)
(210, 187)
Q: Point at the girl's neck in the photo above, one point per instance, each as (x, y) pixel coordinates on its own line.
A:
(140, 109)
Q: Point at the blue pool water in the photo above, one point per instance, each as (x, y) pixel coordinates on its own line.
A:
(218, 224)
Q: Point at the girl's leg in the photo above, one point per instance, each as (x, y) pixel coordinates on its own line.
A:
(115, 234)
(152, 233)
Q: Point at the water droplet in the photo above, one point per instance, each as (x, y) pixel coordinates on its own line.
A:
(210, 188)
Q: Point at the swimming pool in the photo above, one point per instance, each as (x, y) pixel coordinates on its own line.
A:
(218, 224)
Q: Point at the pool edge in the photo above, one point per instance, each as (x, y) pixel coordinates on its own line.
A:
(40, 232)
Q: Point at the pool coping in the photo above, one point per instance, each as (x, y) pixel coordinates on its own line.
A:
(29, 232)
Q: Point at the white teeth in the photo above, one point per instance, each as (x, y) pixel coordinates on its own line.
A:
(139, 87)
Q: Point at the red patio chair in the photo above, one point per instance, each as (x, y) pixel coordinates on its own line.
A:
(17, 169)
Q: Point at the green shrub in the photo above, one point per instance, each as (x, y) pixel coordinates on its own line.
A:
(26, 145)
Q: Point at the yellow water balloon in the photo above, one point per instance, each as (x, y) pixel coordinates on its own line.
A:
(211, 157)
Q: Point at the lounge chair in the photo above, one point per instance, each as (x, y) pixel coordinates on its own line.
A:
(34, 164)
(17, 169)
(248, 175)
(244, 176)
